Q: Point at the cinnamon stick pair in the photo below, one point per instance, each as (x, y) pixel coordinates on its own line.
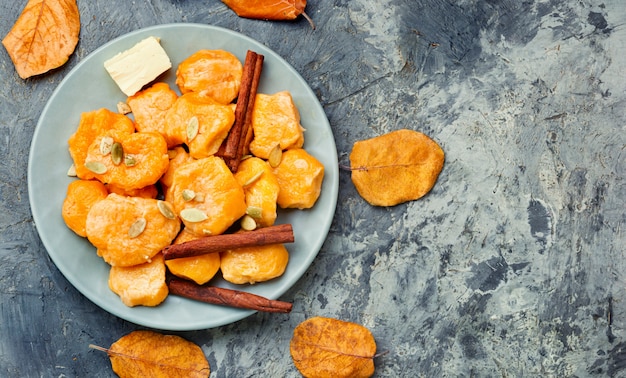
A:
(236, 143)
(276, 234)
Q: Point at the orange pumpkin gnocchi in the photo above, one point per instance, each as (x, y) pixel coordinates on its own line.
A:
(213, 73)
(261, 188)
(275, 121)
(140, 285)
(254, 264)
(206, 196)
(199, 122)
(172, 146)
(81, 195)
(178, 157)
(150, 105)
(93, 125)
(129, 230)
(300, 177)
(139, 159)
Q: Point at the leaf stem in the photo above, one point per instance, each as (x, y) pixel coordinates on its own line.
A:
(96, 347)
(309, 19)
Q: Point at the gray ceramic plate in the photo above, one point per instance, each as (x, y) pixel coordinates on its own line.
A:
(88, 87)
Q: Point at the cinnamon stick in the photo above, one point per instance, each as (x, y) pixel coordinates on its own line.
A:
(247, 134)
(276, 234)
(233, 147)
(232, 140)
(226, 297)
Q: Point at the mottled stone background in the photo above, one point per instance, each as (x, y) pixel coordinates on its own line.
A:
(512, 266)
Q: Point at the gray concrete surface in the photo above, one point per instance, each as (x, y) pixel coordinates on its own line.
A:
(511, 267)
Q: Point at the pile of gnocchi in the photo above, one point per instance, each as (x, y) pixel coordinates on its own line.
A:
(140, 184)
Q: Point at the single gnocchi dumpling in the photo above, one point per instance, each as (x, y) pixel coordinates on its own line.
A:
(254, 264)
(150, 105)
(130, 230)
(276, 122)
(300, 176)
(206, 196)
(128, 161)
(80, 197)
(212, 73)
(92, 125)
(178, 156)
(140, 285)
(199, 122)
(261, 188)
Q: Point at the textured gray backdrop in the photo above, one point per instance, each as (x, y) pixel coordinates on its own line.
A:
(512, 266)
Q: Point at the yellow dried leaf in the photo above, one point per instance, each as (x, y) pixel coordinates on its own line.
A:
(396, 167)
(326, 347)
(150, 354)
(44, 36)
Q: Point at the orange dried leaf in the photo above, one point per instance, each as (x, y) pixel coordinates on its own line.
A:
(397, 167)
(269, 9)
(150, 354)
(325, 347)
(44, 36)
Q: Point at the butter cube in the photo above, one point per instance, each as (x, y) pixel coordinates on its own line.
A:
(138, 66)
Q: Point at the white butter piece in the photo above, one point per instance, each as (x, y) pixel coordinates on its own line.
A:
(138, 66)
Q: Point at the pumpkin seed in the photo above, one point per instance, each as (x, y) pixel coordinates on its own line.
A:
(188, 195)
(96, 167)
(192, 128)
(193, 215)
(72, 171)
(276, 155)
(137, 228)
(123, 108)
(106, 143)
(130, 160)
(166, 209)
(117, 153)
(253, 179)
(255, 212)
(248, 223)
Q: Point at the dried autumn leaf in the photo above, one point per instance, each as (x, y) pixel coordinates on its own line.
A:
(43, 37)
(269, 9)
(150, 354)
(397, 167)
(326, 347)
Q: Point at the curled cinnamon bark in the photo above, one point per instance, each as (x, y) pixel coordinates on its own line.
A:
(234, 146)
(226, 297)
(277, 234)
(247, 133)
